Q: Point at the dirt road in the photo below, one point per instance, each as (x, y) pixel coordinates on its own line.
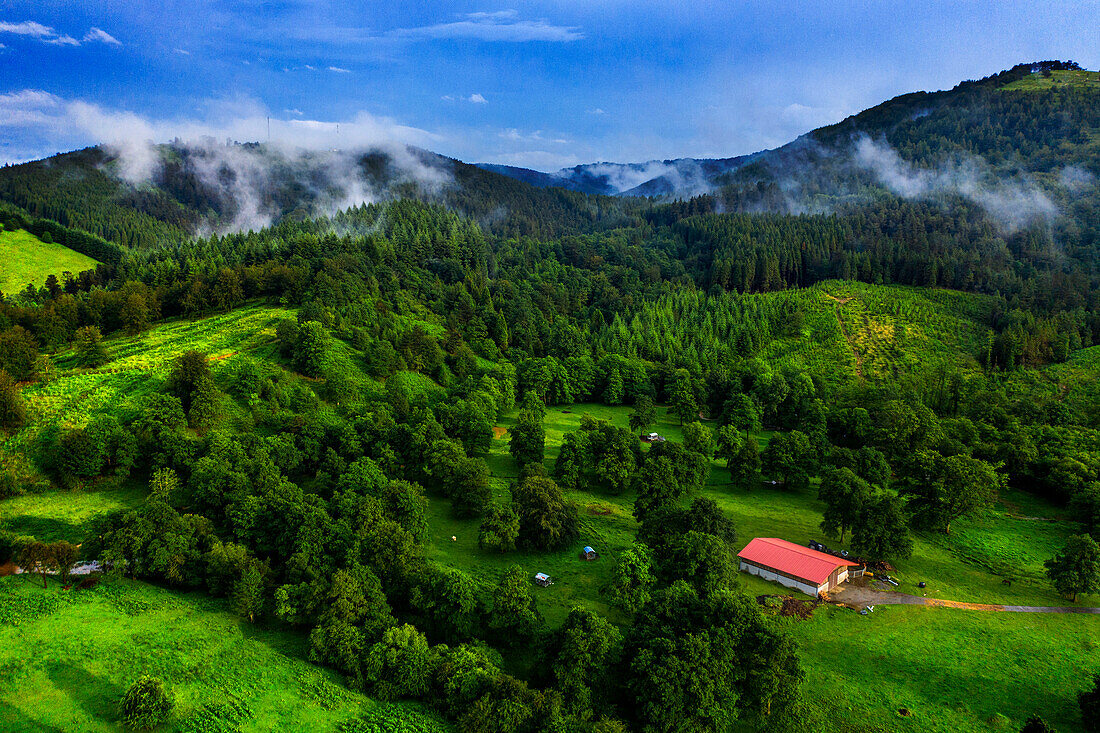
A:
(859, 597)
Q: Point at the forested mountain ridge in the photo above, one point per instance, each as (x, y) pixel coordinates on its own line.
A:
(189, 189)
(1039, 141)
(1026, 116)
(657, 178)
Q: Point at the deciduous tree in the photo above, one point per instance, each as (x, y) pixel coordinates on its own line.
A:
(514, 614)
(13, 413)
(881, 530)
(633, 579)
(546, 520)
(1076, 569)
(643, 415)
(845, 496)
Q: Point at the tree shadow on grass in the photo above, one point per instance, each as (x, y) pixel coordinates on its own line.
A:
(95, 695)
(45, 529)
(290, 645)
(14, 720)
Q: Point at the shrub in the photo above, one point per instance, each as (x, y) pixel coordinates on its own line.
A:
(145, 705)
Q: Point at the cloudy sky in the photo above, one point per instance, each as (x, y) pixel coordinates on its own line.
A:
(543, 85)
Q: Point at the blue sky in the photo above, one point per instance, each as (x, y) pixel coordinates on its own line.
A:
(542, 85)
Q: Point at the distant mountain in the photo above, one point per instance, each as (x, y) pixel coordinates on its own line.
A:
(174, 191)
(681, 177)
(1007, 119)
(1020, 145)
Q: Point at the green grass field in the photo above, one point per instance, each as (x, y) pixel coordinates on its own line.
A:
(27, 260)
(67, 656)
(63, 515)
(139, 365)
(855, 329)
(1013, 540)
(954, 670)
(1072, 77)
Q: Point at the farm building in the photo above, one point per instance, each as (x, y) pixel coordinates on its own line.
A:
(588, 553)
(794, 566)
(543, 579)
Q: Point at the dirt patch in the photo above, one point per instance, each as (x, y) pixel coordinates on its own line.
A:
(601, 510)
(789, 606)
(499, 432)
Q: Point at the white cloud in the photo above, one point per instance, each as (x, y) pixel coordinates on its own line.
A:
(26, 108)
(327, 151)
(339, 70)
(75, 123)
(514, 135)
(1011, 202)
(28, 28)
(597, 111)
(296, 112)
(48, 34)
(102, 36)
(540, 160)
(502, 26)
(62, 41)
(182, 52)
(473, 98)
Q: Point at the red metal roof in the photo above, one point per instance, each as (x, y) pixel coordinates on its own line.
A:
(796, 560)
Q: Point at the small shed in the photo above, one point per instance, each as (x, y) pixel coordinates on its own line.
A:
(588, 553)
(794, 566)
(543, 579)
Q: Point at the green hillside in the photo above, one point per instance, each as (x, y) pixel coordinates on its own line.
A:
(881, 332)
(1056, 79)
(27, 260)
(138, 367)
(67, 656)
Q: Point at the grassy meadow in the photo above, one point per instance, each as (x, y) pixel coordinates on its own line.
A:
(27, 260)
(138, 367)
(1068, 77)
(66, 657)
(855, 330)
(63, 515)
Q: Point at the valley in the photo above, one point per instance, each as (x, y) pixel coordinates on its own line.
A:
(373, 440)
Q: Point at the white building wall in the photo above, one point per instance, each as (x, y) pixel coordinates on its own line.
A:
(810, 590)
